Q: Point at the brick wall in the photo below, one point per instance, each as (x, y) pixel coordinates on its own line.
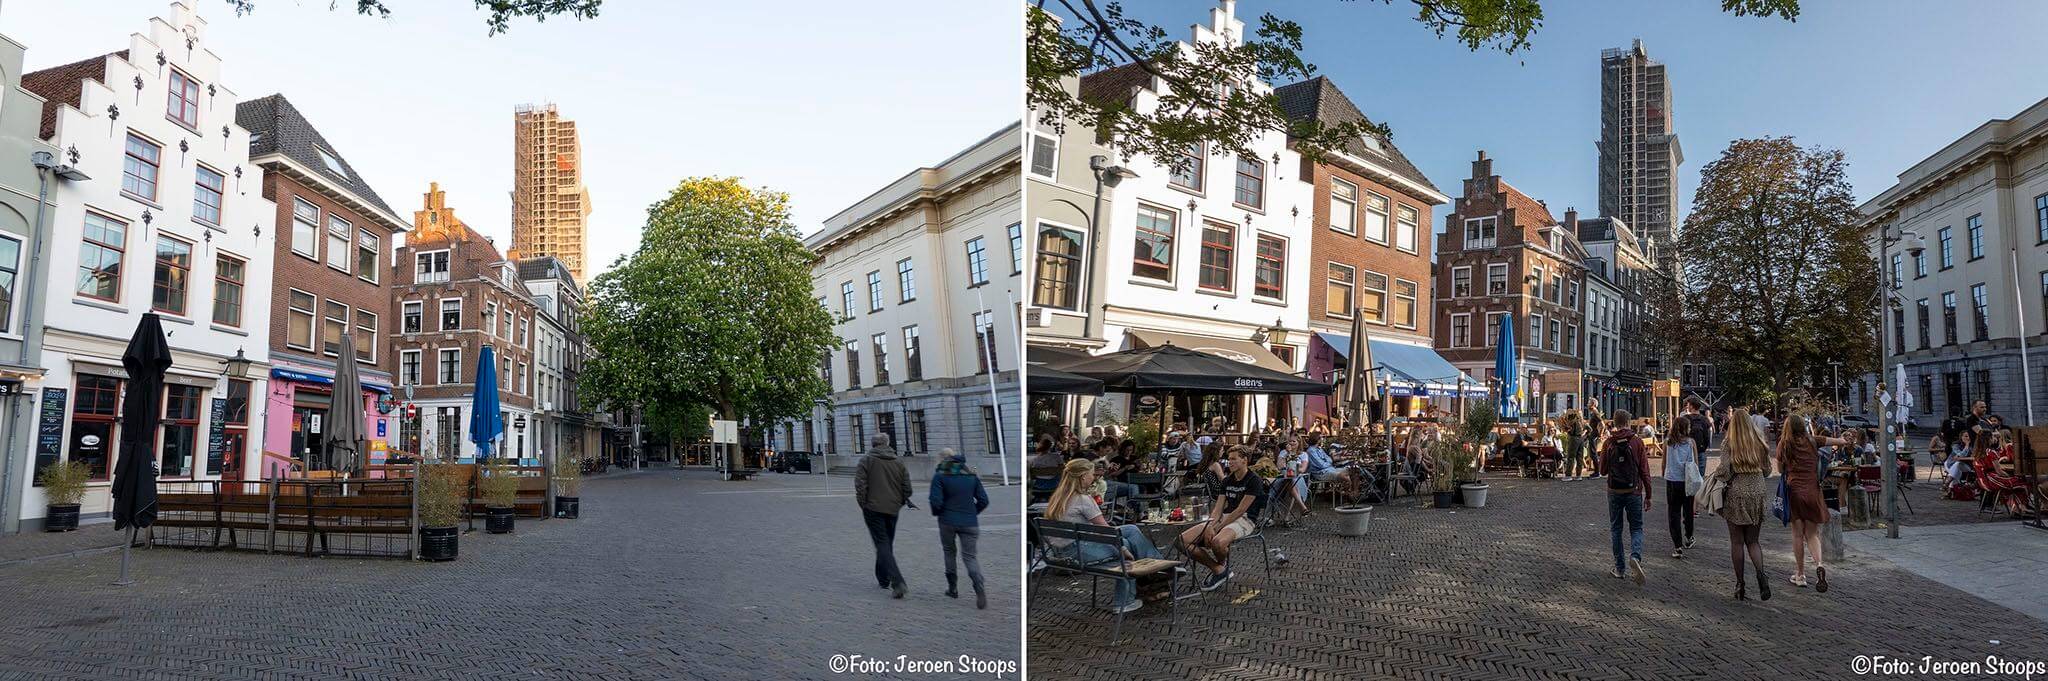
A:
(313, 275)
(1327, 245)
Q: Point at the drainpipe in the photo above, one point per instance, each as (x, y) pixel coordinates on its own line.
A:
(44, 163)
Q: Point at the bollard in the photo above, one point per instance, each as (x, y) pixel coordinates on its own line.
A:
(1831, 544)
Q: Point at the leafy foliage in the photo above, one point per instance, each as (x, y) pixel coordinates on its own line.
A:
(713, 314)
(499, 485)
(1778, 280)
(441, 491)
(1203, 101)
(568, 474)
(64, 482)
(499, 19)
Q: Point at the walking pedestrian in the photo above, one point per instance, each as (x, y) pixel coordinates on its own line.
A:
(1573, 430)
(957, 498)
(1740, 490)
(882, 487)
(1628, 492)
(1595, 433)
(1680, 452)
(1799, 458)
(1702, 429)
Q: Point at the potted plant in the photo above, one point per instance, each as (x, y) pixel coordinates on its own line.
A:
(1442, 471)
(568, 485)
(439, 493)
(500, 489)
(63, 486)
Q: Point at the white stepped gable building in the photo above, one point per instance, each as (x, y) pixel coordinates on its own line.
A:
(1209, 257)
(172, 221)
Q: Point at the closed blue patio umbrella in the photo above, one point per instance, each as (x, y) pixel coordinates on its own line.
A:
(485, 424)
(1504, 370)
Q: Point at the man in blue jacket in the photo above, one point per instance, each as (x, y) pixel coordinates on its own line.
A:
(957, 498)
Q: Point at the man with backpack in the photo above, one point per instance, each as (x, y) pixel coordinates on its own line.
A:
(1702, 430)
(1628, 492)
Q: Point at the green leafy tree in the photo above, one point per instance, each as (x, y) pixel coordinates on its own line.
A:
(1202, 104)
(499, 19)
(714, 311)
(1778, 280)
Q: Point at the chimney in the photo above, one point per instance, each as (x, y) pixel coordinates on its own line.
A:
(1482, 167)
(1571, 218)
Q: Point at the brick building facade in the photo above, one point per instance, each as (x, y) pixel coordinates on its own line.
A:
(1504, 256)
(453, 293)
(332, 244)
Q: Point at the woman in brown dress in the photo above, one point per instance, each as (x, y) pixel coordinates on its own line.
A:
(1744, 476)
(1799, 458)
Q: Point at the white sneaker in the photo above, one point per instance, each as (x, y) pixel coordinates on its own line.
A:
(1635, 570)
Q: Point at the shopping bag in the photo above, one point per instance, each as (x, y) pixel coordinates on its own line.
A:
(1693, 481)
(1780, 506)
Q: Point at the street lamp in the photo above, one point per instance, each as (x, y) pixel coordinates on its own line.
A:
(1107, 176)
(236, 366)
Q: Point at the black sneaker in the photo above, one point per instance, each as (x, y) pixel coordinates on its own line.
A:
(1216, 580)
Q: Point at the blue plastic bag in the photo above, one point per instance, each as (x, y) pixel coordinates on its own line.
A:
(1780, 506)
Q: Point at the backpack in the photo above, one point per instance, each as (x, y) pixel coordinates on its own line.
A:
(1621, 466)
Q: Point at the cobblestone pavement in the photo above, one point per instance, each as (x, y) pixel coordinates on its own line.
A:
(668, 575)
(1520, 589)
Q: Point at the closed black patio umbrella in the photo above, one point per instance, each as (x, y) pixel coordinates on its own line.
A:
(146, 359)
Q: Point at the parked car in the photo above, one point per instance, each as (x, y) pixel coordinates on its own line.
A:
(790, 462)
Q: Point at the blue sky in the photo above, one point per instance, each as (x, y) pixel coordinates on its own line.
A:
(1886, 81)
(826, 100)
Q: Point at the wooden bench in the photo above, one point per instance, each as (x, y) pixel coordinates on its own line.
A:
(319, 510)
(530, 501)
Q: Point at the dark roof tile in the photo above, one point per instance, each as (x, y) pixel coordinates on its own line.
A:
(1319, 99)
(277, 127)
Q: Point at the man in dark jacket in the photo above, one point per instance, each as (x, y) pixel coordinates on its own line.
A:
(1628, 491)
(957, 497)
(1702, 430)
(882, 487)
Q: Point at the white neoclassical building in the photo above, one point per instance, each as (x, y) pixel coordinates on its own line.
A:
(1211, 256)
(924, 275)
(171, 221)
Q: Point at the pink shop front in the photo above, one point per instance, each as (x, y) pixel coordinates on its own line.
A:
(296, 418)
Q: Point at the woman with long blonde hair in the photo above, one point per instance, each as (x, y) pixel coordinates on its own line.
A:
(1741, 486)
(1799, 459)
(1071, 503)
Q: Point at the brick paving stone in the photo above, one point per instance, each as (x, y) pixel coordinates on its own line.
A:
(668, 575)
(1520, 589)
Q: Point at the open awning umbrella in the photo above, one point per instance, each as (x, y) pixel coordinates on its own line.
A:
(1504, 363)
(1046, 380)
(485, 424)
(147, 358)
(1171, 368)
(345, 421)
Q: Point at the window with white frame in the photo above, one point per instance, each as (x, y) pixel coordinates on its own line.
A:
(140, 168)
(412, 316)
(1461, 330)
(977, 262)
(366, 335)
(451, 314)
(1375, 217)
(1152, 251)
(338, 233)
(208, 185)
(1407, 225)
(1016, 248)
(449, 371)
(1188, 172)
(1372, 296)
(334, 321)
(369, 248)
(1343, 206)
(1340, 291)
(1494, 322)
(906, 281)
(1057, 281)
(1461, 281)
(1251, 183)
(409, 367)
(1535, 339)
(1481, 232)
(1404, 303)
(10, 266)
(100, 255)
(299, 322)
(430, 267)
(846, 299)
(1497, 279)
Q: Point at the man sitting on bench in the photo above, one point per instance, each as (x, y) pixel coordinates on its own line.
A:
(1242, 496)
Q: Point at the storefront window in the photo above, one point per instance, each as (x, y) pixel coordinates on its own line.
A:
(93, 409)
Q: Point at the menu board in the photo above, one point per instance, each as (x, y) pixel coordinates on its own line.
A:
(217, 435)
(50, 427)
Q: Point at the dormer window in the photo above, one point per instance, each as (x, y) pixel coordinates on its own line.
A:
(332, 162)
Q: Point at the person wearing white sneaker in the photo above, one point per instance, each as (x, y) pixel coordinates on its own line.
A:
(1242, 495)
(1679, 457)
(1626, 463)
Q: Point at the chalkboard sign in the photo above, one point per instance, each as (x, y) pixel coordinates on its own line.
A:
(50, 427)
(217, 435)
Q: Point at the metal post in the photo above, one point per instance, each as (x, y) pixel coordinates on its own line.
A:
(1890, 464)
(2026, 369)
(995, 404)
(123, 580)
